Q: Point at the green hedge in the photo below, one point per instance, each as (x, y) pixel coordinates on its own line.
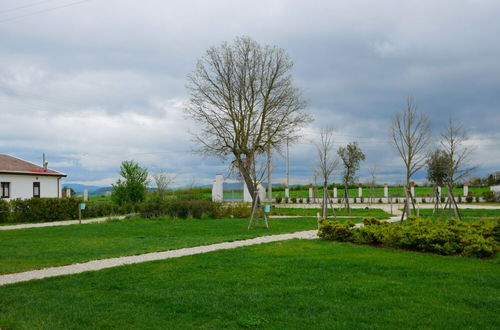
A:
(56, 209)
(192, 208)
(451, 237)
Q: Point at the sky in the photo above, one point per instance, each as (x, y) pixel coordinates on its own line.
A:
(92, 83)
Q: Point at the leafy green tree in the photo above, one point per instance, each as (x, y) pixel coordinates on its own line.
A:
(351, 156)
(131, 188)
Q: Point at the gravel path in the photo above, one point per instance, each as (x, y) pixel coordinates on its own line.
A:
(120, 261)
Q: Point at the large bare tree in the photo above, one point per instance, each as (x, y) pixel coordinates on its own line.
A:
(351, 156)
(327, 163)
(453, 142)
(242, 95)
(411, 133)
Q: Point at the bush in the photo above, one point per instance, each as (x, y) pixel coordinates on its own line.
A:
(449, 237)
(4, 211)
(191, 208)
(491, 197)
(286, 200)
(57, 209)
(478, 199)
(278, 199)
(424, 201)
(294, 200)
(335, 231)
(380, 200)
(308, 200)
(469, 199)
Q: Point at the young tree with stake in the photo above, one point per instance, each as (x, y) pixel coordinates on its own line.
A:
(350, 157)
(326, 163)
(411, 133)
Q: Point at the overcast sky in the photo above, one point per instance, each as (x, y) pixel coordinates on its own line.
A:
(93, 83)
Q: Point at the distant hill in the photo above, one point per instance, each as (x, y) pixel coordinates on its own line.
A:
(93, 190)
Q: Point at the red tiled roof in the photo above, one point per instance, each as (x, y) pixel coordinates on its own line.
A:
(13, 165)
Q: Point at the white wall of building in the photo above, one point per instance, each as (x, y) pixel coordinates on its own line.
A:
(21, 186)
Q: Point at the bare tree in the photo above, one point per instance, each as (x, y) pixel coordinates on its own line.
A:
(373, 176)
(327, 163)
(163, 181)
(350, 156)
(453, 142)
(411, 133)
(244, 99)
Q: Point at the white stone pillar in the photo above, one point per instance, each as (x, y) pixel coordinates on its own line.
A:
(246, 193)
(218, 188)
(466, 189)
(360, 190)
(334, 192)
(439, 191)
(85, 195)
(412, 189)
(287, 193)
(68, 192)
(262, 193)
(386, 190)
(310, 191)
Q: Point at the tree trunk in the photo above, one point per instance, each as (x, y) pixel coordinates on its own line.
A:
(325, 200)
(346, 197)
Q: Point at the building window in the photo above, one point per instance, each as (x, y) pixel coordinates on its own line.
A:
(5, 186)
(36, 189)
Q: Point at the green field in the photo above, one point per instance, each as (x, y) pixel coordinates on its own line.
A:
(26, 249)
(377, 213)
(297, 284)
(467, 214)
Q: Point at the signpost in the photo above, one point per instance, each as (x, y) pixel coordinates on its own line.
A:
(80, 209)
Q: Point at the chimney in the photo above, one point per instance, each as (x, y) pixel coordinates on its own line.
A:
(44, 163)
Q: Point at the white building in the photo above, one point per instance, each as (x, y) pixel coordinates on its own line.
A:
(22, 179)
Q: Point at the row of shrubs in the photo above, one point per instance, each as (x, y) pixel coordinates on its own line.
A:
(193, 208)
(55, 209)
(450, 237)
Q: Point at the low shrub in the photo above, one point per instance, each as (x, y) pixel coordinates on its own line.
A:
(380, 201)
(424, 201)
(278, 199)
(285, 200)
(57, 209)
(450, 237)
(4, 211)
(181, 208)
(335, 231)
(294, 200)
(469, 199)
(491, 197)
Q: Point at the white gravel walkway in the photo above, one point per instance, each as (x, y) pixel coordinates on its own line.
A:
(120, 261)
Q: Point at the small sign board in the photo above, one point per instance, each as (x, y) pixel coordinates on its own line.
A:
(267, 208)
(82, 206)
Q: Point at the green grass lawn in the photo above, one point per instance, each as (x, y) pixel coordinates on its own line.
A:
(293, 284)
(26, 249)
(467, 214)
(377, 213)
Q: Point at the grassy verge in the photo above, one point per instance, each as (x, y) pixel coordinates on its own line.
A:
(293, 284)
(25, 249)
(377, 213)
